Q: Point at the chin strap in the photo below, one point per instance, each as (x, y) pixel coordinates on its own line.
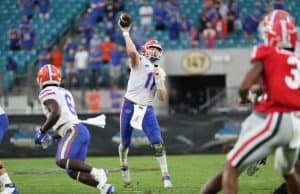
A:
(153, 59)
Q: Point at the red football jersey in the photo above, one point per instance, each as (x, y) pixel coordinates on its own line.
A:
(280, 79)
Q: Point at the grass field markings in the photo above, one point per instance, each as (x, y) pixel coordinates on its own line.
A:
(61, 171)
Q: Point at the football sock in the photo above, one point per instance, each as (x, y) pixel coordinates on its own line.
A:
(162, 161)
(93, 171)
(4, 178)
(123, 153)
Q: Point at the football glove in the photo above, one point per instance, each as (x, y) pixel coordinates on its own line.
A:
(43, 139)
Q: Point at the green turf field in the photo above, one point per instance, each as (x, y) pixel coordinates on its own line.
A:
(189, 173)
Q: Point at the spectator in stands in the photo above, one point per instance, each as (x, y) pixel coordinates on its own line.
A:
(116, 97)
(235, 8)
(119, 5)
(86, 28)
(116, 62)
(27, 6)
(27, 38)
(95, 42)
(44, 56)
(218, 8)
(56, 57)
(11, 65)
(203, 20)
(230, 22)
(44, 8)
(185, 27)
(268, 7)
(222, 8)
(252, 20)
(174, 28)
(110, 10)
(105, 48)
(194, 37)
(24, 22)
(206, 4)
(70, 71)
(137, 36)
(70, 45)
(212, 11)
(278, 4)
(109, 28)
(97, 11)
(95, 60)
(220, 26)
(209, 36)
(173, 11)
(81, 65)
(146, 14)
(160, 14)
(14, 37)
(93, 101)
(110, 23)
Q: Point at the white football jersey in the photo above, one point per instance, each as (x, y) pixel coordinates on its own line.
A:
(68, 116)
(141, 86)
(1, 111)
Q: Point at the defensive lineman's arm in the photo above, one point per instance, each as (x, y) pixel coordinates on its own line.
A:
(130, 47)
(54, 113)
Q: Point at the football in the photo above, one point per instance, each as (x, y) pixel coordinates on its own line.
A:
(125, 20)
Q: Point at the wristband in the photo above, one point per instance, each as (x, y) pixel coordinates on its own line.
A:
(159, 84)
(125, 33)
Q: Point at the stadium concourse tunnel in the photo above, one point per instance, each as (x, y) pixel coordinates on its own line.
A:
(183, 134)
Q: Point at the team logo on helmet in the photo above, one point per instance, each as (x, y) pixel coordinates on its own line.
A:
(48, 74)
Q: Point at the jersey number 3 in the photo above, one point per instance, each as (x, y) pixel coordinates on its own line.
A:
(293, 82)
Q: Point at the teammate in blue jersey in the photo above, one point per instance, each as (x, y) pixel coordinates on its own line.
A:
(8, 186)
(58, 106)
(146, 81)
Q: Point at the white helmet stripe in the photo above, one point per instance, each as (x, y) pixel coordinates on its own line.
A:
(273, 17)
(50, 72)
(284, 34)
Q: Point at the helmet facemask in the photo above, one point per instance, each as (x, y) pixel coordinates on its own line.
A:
(153, 53)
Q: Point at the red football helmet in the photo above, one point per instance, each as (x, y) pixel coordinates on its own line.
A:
(282, 35)
(272, 18)
(151, 54)
(48, 74)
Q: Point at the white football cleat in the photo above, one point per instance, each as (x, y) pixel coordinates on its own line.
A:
(125, 175)
(107, 189)
(9, 189)
(101, 177)
(167, 182)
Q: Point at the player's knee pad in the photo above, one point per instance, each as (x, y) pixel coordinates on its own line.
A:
(159, 149)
